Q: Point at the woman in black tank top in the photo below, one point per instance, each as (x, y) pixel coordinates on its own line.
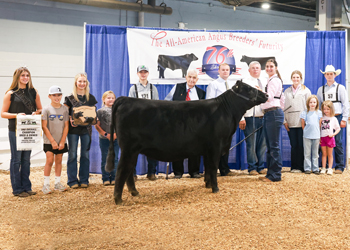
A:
(20, 99)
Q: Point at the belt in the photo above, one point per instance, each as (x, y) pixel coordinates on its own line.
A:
(270, 109)
(255, 116)
(337, 114)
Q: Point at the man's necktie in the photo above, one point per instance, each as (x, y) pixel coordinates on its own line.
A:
(188, 95)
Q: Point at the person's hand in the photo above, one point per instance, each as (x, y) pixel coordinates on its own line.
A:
(54, 145)
(343, 124)
(35, 113)
(108, 136)
(286, 126)
(21, 114)
(61, 146)
(114, 136)
(72, 123)
(242, 124)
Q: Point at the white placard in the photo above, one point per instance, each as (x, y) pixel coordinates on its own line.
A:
(29, 132)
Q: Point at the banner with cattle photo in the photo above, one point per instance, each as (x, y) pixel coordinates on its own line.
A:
(169, 54)
(29, 135)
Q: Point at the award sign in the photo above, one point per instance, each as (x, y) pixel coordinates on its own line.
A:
(28, 134)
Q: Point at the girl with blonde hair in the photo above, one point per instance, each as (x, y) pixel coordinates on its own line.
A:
(103, 125)
(80, 97)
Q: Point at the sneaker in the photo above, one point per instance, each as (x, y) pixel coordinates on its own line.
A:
(307, 172)
(30, 192)
(316, 172)
(106, 183)
(60, 187)
(330, 171)
(323, 171)
(338, 171)
(83, 185)
(46, 189)
(75, 186)
(295, 171)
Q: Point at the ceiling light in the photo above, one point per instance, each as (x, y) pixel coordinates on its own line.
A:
(265, 6)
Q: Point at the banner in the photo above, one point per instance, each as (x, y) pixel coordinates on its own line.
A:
(29, 135)
(169, 54)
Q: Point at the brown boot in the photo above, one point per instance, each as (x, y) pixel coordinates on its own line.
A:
(151, 177)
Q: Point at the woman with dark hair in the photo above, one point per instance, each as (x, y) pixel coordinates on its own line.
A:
(296, 96)
(20, 99)
(273, 121)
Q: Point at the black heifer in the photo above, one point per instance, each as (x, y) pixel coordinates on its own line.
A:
(175, 62)
(261, 60)
(171, 131)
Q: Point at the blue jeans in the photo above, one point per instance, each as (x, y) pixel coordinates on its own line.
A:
(272, 123)
(84, 166)
(104, 145)
(338, 150)
(152, 166)
(297, 149)
(311, 154)
(19, 167)
(256, 145)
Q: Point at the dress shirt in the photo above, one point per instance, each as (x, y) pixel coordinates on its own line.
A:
(341, 107)
(254, 82)
(192, 93)
(274, 88)
(218, 87)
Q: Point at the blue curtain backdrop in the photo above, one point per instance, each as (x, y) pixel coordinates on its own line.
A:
(107, 66)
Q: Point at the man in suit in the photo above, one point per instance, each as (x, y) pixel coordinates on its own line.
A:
(187, 91)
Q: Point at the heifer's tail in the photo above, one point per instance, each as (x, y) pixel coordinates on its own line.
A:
(111, 155)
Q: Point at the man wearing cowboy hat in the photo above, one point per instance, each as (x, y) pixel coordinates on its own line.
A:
(336, 93)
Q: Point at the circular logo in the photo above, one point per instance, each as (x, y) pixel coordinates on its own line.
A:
(214, 56)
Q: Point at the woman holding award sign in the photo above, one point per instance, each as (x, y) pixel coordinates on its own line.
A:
(20, 99)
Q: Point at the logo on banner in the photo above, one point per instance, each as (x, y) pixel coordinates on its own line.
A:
(216, 55)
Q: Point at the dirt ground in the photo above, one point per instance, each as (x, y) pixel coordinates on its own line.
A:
(300, 212)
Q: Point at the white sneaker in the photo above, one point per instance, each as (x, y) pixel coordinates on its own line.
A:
(296, 171)
(46, 189)
(60, 187)
(323, 171)
(330, 171)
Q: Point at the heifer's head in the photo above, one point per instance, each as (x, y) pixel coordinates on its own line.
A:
(249, 93)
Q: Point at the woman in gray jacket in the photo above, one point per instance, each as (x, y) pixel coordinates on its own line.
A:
(296, 96)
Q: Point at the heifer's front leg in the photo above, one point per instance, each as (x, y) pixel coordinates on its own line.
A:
(211, 168)
(125, 168)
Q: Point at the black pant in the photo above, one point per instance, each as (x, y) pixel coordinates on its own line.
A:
(297, 148)
(193, 166)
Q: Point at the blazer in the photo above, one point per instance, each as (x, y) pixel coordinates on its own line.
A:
(181, 92)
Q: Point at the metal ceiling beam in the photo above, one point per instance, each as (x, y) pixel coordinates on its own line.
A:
(111, 4)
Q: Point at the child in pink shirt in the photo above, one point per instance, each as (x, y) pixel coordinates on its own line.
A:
(329, 128)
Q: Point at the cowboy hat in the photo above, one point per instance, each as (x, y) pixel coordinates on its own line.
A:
(330, 68)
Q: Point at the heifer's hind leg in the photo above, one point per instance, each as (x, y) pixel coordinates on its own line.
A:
(130, 181)
(211, 168)
(125, 168)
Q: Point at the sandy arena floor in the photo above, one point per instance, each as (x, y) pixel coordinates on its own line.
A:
(301, 212)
